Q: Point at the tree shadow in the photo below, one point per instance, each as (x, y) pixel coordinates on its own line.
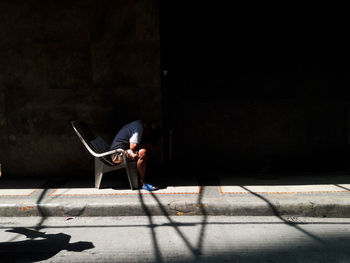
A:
(196, 248)
(342, 187)
(38, 246)
(152, 226)
(285, 220)
(43, 214)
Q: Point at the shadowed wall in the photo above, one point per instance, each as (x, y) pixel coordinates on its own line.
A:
(97, 61)
(239, 97)
(244, 96)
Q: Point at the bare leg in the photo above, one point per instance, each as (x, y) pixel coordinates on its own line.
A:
(141, 165)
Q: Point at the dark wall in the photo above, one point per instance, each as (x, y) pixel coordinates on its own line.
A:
(248, 98)
(237, 93)
(97, 61)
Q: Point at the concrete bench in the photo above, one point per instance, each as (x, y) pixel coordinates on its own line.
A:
(99, 149)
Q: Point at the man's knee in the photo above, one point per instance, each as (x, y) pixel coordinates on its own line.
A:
(142, 154)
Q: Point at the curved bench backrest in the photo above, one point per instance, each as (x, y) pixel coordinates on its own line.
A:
(95, 145)
(84, 135)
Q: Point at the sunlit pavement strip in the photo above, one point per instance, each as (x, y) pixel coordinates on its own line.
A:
(93, 191)
(17, 192)
(283, 189)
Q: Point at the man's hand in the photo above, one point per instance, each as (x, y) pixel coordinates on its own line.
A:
(132, 155)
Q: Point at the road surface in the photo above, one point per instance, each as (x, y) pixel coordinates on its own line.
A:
(174, 239)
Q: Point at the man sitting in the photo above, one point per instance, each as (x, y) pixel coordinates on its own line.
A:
(137, 139)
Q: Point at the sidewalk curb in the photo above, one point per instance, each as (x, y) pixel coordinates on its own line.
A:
(212, 208)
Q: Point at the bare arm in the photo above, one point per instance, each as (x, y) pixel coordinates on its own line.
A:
(133, 147)
(136, 147)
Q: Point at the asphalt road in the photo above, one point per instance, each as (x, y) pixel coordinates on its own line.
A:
(174, 239)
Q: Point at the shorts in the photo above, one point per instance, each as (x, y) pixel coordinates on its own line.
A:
(118, 157)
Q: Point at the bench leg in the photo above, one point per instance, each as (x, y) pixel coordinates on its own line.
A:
(131, 170)
(98, 172)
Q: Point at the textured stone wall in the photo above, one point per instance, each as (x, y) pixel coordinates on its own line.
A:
(97, 61)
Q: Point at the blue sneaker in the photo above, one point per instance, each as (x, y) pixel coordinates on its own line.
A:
(149, 187)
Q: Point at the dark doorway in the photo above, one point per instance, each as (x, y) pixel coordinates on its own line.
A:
(249, 99)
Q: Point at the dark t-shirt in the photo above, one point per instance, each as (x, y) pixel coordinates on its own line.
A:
(130, 133)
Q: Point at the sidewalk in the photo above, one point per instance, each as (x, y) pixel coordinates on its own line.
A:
(247, 195)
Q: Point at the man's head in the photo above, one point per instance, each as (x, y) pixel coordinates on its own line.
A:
(151, 133)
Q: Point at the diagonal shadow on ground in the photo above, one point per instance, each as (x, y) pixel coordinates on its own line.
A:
(277, 214)
(196, 250)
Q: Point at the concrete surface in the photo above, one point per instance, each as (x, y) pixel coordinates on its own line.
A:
(312, 196)
(174, 239)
